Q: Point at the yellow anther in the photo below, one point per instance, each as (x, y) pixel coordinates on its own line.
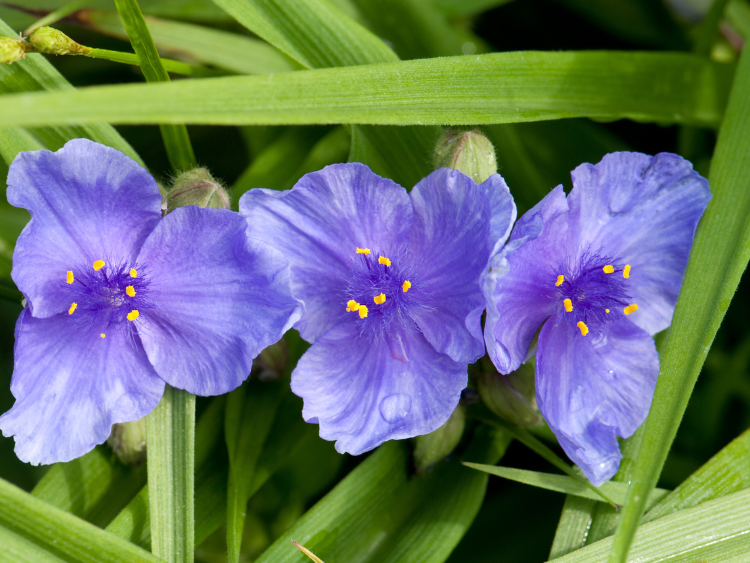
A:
(608, 269)
(568, 305)
(102, 335)
(379, 299)
(72, 308)
(352, 306)
(69, 277)
(363, 250)
(559, 281)
(606, 310)
(362, 311)
(406, 286)
(133, 315)
(383, 260)
(583, 327)
(98, 265)
(630, 309)
(626, 271)
(130, 290)
(133, 273)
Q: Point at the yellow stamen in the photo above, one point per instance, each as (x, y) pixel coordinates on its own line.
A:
(406, 286)
(352, 306)
(606, 310)
(385, 261)
(608, 269)
(379, 299)
(133, 315)
(130, 290)
(102, 335)
(583, 327)
(69, 278)
(568, 305)
(362, 311)
(626, 271)
(363, 250)
(133, 273)
(72, 308)
(98, 265)
(559, 281)
(630, 309)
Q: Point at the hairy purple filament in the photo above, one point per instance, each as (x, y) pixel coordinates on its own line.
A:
(596, 297)
(105, 299)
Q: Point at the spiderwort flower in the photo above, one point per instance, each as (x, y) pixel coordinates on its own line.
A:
(599, 271)
(391, 285)
(121, 300)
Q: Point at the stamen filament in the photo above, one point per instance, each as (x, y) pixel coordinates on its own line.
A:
(406, 286)
(559, 281)
(568, 305)
(385, 261)
(69, 277)
(608, 269)
(583, 327)
(72, 308)
(630, 309)
(98, 265)
(364, 251)
(626, 271)
(379, 299)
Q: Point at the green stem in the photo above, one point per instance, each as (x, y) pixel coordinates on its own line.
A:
(175, 67)
(170, 431)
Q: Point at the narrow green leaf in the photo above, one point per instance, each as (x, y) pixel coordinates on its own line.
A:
(170, 430)
(719, 256)
(14, 140)
(334, 147)
(717, 530)
(223, 49)
(35, 73)
(564, 484)
(63, 534)
(94, 487)
(249, 415)
(495, 88)
(17, 549)
(573, 527)
(58, 14)
(466, 7)
(726, 472)
(176, 139)
(738, 15)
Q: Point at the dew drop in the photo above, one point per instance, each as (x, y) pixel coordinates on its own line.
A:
(395, 407)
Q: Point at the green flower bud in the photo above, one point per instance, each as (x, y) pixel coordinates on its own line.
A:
(197, 187)
(51, 41)
(128, 440)
(512, 397)
(431, 448)
(467, 151)
(11, 50)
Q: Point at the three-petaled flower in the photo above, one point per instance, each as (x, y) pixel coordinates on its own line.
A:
(392, 289)
(599, 271)
(121, 300)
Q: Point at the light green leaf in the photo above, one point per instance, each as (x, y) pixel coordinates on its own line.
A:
(17, 549)
(719, 256)
(573, 527)
(495, 88)
(564, 484)
(466, 7)
(717, 530)
(63, 534)
(176, 139)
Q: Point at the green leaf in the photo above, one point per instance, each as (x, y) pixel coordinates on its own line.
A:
(466, 7)
(17, 549)
(249, 415)
(719, 256)
(573, 527)
(14, 140)
(62, 534)
(495, 88)
(36, 73)
(717, 530)
(95, 487)
(378, 513)
(176, 139)
(564, 484)
(205, 45)
(170, 430)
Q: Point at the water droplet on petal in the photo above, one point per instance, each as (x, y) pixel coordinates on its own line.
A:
(395, 407)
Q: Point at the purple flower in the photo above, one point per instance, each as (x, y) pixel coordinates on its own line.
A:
(599, 271)
(391, 285)
(121, 300)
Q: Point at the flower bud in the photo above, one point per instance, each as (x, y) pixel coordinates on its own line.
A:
(467, 151)
(51, 41)
(431, 448)
(512, 397)
(271, 362)
(197, 187)
(11, 50)
(128, 441)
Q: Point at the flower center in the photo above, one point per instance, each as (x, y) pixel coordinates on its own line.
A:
(593, 291)
(379, 291)
(104, 296)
